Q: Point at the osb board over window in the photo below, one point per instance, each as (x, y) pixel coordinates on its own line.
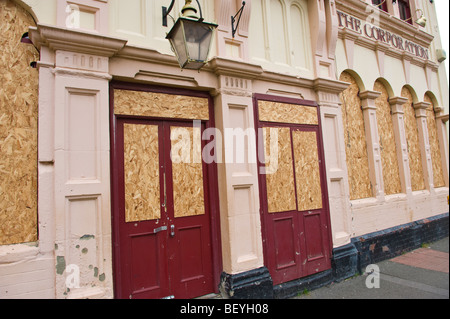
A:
(355, 140)
(160, 105)
(412, 138)
(187, 171)
(438, 174)
(391, 172)
(307, 170)
(18, 128)
(142, 178)
(287, 113)
(279, 171)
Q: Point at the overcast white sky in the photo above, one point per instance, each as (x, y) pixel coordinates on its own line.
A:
(442, 8)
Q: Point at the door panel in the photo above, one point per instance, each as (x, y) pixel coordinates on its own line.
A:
(285, 242)
(316, 242)
(282, 231)
(145, 263)
(190, 252)
(314, 247)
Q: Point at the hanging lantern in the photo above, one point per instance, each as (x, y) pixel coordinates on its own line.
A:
(191, 38)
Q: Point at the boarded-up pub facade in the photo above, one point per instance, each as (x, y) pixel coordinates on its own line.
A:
(312, 144)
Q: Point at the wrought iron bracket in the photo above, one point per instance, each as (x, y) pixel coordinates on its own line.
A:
(165, 13)
(233, 20)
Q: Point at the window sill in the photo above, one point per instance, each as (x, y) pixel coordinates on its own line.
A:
(14, 253)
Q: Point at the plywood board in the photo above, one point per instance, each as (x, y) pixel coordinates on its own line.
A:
(187, 171)
(142, 175)
(391, 171)
(160, 105)
(355, 140)
(18, 128)
(280, 170)
(307, 171)
(287, 113)
(412, 138)
(438, 174)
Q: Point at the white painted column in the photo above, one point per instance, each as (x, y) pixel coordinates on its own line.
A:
(238, 177)
(82, 171)
(373, 141)
(424, 142)
(441, 120)
(335, 158)
(398, 121)
(240, 219)
(74, 157)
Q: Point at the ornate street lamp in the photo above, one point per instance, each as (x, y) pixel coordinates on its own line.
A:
(190, 37)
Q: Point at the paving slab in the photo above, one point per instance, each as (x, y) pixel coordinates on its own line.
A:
(420, 274)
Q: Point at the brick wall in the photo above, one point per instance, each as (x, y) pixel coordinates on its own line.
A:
(392, 242)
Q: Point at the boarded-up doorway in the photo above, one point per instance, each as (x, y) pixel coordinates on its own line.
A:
(164, 195)
(294, 197)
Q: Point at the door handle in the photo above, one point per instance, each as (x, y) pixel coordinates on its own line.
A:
(172, 231)
(160, 229)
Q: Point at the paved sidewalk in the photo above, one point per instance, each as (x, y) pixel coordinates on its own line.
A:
(425, 258)
(421, 274)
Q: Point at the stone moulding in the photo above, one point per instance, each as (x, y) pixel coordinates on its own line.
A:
(75, 41)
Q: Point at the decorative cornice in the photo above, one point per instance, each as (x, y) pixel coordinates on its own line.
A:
(369, 95)
(147, 55)
(421, 109)
(57, 38)
(397, 103)
(363, 11)
(422, 105)
(156, 77)
(358, 9)
(444, 118)
(329, 85)
(286, 79)
(373, 45)
(397, 100)
(222, 66)
(81, 73)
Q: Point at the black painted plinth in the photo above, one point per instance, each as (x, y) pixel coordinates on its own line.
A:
(254, 284)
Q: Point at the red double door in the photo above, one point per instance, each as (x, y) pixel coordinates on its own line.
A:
(294, 196)
(163, 246)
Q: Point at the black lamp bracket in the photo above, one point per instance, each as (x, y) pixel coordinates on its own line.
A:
(166, 11)
(233, 20)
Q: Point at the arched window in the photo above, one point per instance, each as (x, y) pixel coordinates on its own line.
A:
(381, 4)
(438, 174)
(391, 172)
(405, 10)
(412, 138)
(278, 32)
(299, 39)
(355, 140)
(280, 39)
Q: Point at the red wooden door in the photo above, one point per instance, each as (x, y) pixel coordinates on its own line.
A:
(294, 201)
(163, 215)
